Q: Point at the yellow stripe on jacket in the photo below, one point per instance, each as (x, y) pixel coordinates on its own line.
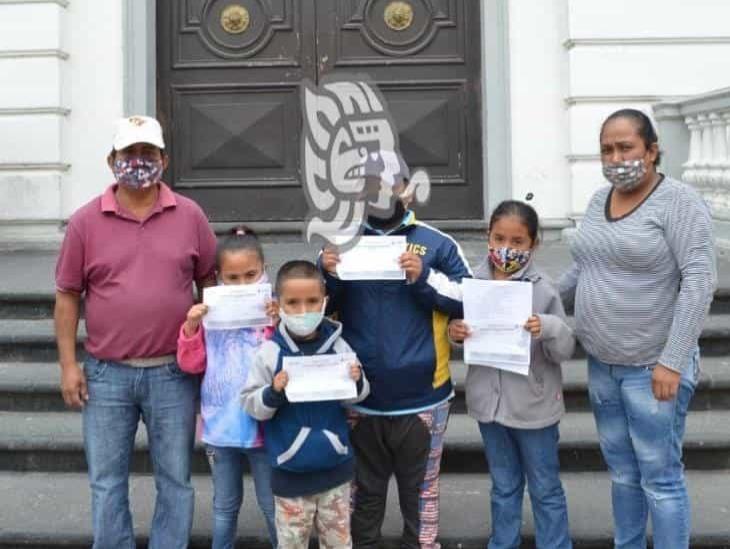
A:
(442, 373)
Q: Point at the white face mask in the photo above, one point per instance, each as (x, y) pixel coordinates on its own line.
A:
(303, 324)
(625, 176)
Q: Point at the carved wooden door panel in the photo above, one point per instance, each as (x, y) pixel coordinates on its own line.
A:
(228, 94)
(229, 74)
(424, 55)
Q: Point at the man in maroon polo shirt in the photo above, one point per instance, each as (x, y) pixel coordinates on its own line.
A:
(133, 253)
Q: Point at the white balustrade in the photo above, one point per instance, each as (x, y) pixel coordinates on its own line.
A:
(708, 160)
(696, 136)
(726, 170)
(695, 150)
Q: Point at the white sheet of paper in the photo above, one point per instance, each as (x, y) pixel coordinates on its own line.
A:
(373, 258)
(496, 312)
(320, 377)
(236, 306)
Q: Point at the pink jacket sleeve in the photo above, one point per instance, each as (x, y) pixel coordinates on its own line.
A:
(191, 352)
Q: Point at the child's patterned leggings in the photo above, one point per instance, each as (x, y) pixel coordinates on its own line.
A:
(329, 512)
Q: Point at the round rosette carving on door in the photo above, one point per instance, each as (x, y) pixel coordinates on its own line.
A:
(235, 19)
(235, 28)
(398, 27)
(398, 15)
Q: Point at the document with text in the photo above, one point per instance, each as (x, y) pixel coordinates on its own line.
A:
(236, 306)
(320, 377)
(373, 258)
(496, 313)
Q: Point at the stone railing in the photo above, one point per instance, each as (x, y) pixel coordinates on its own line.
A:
(695, 136)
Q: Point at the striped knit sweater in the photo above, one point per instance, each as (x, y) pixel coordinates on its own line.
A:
(642, 283)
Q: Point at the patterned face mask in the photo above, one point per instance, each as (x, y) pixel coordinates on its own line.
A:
(625, 176)
(137, 172)
(509, 260)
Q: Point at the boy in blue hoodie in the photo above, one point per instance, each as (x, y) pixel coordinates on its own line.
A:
(399, 331)
(307, 442)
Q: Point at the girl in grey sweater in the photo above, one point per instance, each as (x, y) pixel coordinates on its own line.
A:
(518, 415)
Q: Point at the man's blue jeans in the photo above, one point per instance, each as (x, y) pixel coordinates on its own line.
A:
(641, 442)
(516, 454)
(227, 468)
(165, 398)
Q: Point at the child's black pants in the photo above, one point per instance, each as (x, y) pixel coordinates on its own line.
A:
(387, 446)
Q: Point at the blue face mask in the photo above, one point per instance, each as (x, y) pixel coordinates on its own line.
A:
(302, 324)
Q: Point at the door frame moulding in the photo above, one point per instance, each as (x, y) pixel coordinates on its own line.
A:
(140, 54)
(496, 105)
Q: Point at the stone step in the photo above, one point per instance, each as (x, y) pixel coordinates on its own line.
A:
(39, 305)
(706, 443)
(712, 393)
(60, 516)
(30, 387)
(33, 340)
(28, 305)
(34, 387)
(27, 276)
(47, 441)
(714, 339)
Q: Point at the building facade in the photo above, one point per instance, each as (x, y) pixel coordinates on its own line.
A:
(497, 98)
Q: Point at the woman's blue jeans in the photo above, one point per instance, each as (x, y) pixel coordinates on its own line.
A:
(641, 441)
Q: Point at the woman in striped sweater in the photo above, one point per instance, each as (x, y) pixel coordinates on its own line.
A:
(642, 282)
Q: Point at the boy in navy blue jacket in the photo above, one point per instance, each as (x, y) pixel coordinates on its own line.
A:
(308, 442)
(399, 331)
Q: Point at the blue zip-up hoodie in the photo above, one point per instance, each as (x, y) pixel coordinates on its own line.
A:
(307, 442)
(399, 329)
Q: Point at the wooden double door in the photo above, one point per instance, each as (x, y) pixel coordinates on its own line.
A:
(229, 74)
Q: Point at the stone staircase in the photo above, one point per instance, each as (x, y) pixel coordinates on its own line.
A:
(44, 494)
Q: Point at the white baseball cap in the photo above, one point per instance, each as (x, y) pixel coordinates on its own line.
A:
(138, 129)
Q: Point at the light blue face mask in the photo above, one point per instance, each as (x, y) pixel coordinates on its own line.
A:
(302, 324)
